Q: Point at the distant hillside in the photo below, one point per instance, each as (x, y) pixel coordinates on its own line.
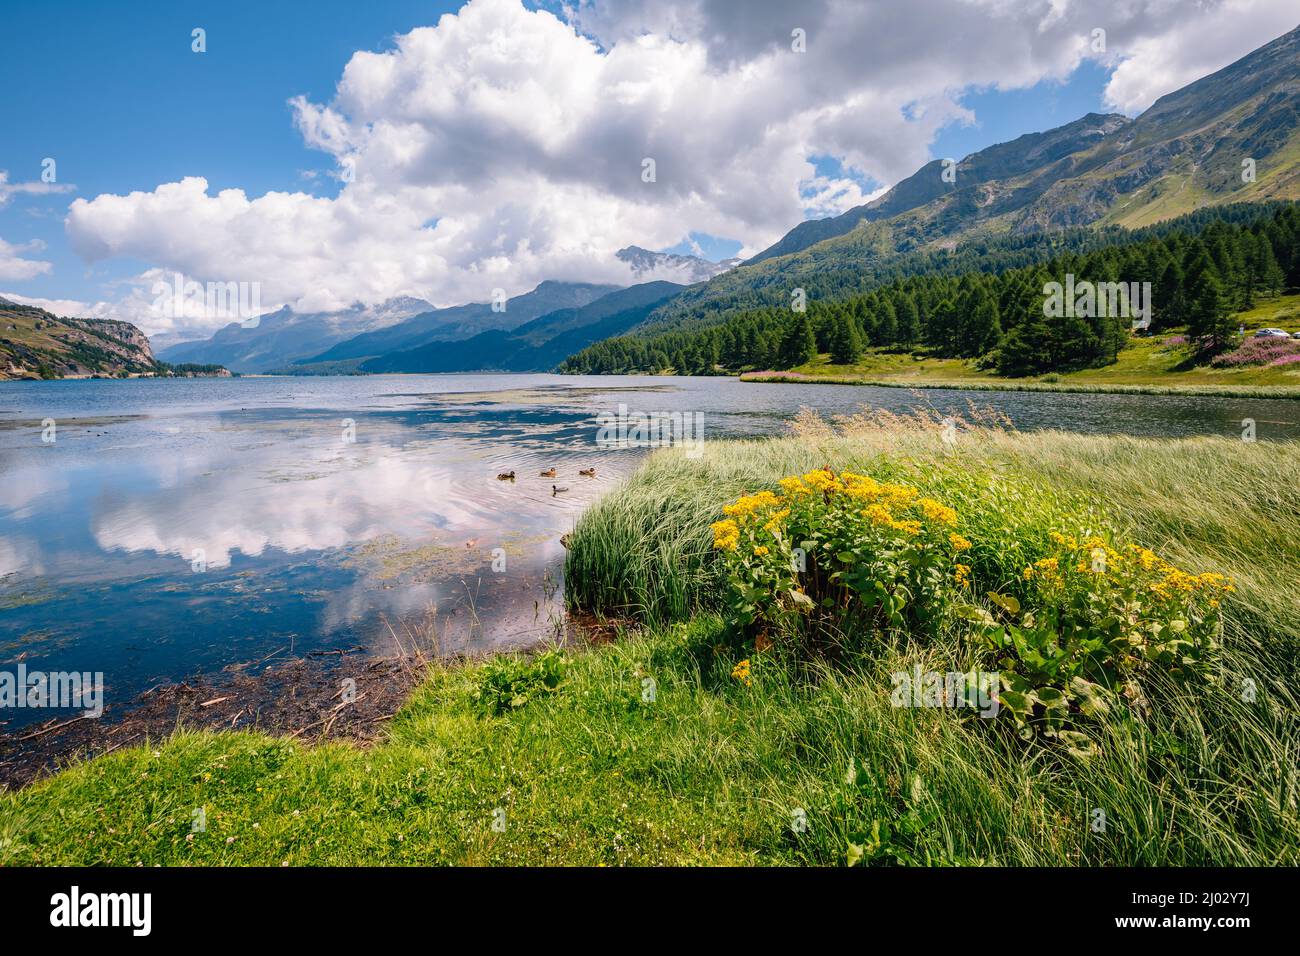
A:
(460, 322)
(284, 336)
(535, 346)
(1184, 153)
(36, 344)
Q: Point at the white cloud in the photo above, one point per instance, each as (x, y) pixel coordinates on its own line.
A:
(503, 146)
(8, 190)
(63, 308)
(1195, 46)
(13, 267)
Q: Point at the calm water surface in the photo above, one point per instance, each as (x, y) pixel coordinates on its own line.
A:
(174, 528)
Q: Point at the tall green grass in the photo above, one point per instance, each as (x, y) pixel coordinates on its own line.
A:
(711, 771)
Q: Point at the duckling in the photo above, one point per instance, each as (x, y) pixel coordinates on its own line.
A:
(506, 476)
(549, 473)
(556, 489)
(589, 472)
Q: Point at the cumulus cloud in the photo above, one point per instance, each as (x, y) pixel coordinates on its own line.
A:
(504, 145)
(1195, 46)
(14, 267)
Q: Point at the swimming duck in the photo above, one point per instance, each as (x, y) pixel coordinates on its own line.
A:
(589, 472)
(506, 476)
(549, 473)
(556, 489)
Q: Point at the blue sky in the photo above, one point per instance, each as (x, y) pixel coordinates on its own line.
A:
(115, 95)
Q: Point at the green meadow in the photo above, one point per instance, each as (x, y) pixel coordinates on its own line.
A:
(655, 749)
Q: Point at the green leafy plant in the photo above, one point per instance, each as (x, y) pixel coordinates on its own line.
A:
(1101, 620)
(1089, 624)
(843, 549)
(508, 683)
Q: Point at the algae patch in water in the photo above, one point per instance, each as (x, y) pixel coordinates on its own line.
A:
(390, 557)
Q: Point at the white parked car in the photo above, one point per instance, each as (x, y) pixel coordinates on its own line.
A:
(1272, 334)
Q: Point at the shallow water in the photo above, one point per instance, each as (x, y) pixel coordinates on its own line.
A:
(174, 528)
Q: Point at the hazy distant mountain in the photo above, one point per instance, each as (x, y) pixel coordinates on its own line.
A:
(1184, 153)
(538, 345)
(463, 321)
(671, 266)
(284, 336)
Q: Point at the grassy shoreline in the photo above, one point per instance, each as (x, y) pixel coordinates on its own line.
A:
(649, 751)
(1152, 365)
(1012, 385)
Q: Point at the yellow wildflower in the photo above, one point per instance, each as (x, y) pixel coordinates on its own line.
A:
(958, 542)
(726, 535)
(938, 512)
(747, 505)
(793, 486)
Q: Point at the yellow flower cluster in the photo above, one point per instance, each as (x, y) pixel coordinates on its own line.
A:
(883, 503)
(961, 574)
(823, 480)
(794, 486)
(726, 535)
(773, 524)
(741, 672)
(1096, 556)
(938, 512)
(866, 488)
(747, 505)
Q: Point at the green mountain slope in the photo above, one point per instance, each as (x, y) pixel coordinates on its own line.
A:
(1182, 154)
(36, 344)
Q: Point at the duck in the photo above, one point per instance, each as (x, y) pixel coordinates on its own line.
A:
(506, 476)
(556, 489)
(589, 472)
(549, 473)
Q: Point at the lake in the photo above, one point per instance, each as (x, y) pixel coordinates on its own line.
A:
(177, 528)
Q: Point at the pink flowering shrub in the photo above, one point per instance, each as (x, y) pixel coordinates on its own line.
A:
(1259, 352)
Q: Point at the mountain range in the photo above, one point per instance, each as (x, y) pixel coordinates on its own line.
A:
(408, 334)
